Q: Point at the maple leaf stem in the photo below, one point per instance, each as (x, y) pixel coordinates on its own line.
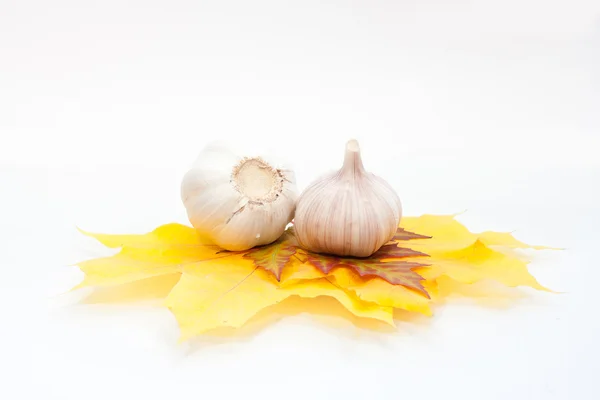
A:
(212, 258)
(185, 264)
(240, 282)
(233, 287)
(333, 284)
(195, 262)
(299, 259)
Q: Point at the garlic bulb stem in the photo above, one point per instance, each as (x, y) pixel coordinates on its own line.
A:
(238, 202)
(257, 180)
(352, 160)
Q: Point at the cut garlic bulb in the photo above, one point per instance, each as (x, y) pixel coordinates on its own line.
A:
(238, 202)
(350, 212)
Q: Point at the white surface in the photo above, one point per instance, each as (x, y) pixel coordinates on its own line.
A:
(489, 107)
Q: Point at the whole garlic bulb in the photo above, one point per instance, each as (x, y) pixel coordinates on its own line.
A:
(238, 202)
(350, 212)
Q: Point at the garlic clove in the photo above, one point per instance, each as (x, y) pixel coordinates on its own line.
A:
(349, 212)
(238, 201)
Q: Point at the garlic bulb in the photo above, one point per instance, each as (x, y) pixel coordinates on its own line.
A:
(350, 212)
(238, 202)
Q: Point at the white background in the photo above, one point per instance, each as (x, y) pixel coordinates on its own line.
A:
(489, 107)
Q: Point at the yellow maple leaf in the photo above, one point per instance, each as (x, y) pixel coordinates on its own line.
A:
(228, 292)
(381, 292)
(373, 289)
(478, 262)
(449, 234)
(207, 288)
(165, 237)
(165, 250)
(151, 290)
(469, 257)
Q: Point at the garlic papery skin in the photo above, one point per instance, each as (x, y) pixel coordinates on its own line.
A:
(238, 202)
(350, 212)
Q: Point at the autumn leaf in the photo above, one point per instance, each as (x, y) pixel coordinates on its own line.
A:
(469, 258)
(230, 291)
(507, 240)
(374, 289)
(448, 234)
(479, 262)
(402, 234)
(396, 270)
(273, 257)
(167, 236)
(164, 250)
(149, 290)
(389, 251)
(380, 291)
(430, 258)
